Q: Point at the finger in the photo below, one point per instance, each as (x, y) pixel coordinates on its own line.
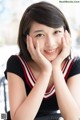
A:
(27, 41)
(64, 44)
(30, 46)
(38, 49)
(67, 41)
(67, 37)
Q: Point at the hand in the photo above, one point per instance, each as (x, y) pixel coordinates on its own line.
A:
(65, 52)
(36, 55)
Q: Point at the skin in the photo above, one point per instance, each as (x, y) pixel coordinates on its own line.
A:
(48, 48)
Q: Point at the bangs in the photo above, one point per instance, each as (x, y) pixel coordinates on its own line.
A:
(47, 17)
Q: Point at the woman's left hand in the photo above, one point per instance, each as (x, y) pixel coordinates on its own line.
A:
(65, 52)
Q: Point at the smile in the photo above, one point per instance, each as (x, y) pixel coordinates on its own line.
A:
(49, 52)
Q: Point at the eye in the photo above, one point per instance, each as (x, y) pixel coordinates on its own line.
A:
(40, 35)
(57, 32)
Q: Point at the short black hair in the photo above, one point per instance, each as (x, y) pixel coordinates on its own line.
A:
(43, 13)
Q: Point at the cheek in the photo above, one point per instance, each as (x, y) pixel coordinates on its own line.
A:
(59, 40)
(41, 45)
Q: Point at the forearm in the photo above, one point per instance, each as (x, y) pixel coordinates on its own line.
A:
(68, 107)
(30, 106)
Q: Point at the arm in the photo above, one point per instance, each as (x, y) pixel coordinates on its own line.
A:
(68, 95)
(67, 100)
(26, 107)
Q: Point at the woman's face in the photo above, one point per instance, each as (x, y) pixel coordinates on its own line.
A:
(49, 39)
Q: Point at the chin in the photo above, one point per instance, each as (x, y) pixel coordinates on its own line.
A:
(51, 59)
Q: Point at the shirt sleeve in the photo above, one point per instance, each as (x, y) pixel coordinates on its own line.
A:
(75, 68)
(14, 66)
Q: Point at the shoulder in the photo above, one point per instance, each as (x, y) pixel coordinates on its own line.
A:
(75, 66)
(13, 62)
(14, 65)
(12, 59)
(76, 60)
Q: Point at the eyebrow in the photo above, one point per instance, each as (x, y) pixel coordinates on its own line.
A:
(38, 31)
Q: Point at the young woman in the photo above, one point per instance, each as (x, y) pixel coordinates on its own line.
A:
(43, 78)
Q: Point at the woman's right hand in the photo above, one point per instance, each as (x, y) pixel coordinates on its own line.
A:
(36, 55)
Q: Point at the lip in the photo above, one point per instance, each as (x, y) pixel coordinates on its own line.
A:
(50, 52)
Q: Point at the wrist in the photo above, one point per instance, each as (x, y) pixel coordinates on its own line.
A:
(46, 71)
(56, 66)
(56, 69)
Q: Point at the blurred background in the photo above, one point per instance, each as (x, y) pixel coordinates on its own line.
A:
(10, 15)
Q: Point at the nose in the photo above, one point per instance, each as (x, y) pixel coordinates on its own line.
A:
(50, 41)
